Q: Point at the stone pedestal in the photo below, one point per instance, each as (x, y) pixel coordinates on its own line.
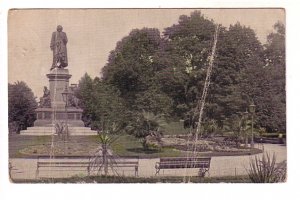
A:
(58, 81)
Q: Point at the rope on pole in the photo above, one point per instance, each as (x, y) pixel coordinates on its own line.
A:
(201, 102)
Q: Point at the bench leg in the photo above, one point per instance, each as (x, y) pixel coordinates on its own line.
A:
(202, 172)
(136, 171)
(37, 173)
(89, 172)
(157, 171)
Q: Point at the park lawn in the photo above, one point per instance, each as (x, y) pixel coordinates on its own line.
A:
(128, 145)
(125, 145)
(174, 128)
(18, 142)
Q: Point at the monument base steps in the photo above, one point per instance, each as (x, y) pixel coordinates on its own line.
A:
(47, 130)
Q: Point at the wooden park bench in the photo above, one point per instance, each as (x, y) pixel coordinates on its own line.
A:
(67, 165)
(73, 165)
(184, 162)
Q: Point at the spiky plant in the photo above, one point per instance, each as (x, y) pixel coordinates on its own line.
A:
(146, 125)
(61, 129)
(103, 159)
(266, 170)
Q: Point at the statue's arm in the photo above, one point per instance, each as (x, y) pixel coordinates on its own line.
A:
(52, 43)
(65, 39)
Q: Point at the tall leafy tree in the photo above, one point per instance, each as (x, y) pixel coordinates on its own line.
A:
(155, 101)
(103, 108)
(273, 114)
(83, 93)
(165, 75)
(131, 65)
(188, 45)
(238, 65)
(108, 108)
(21, 106)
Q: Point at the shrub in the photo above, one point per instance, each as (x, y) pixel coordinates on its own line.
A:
(265, 170)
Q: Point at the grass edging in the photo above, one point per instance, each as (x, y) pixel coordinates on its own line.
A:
(121, 179)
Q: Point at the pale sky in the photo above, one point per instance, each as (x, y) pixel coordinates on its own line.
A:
(93, 33)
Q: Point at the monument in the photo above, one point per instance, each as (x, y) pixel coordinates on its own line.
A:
(58, 104)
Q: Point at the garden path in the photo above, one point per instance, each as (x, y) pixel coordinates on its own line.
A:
(25, 168)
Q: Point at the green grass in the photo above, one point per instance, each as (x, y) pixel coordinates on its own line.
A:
(18, 142)
(273, 135)
(125, 145)
(128, 145)
(174, 128)
(120, 179)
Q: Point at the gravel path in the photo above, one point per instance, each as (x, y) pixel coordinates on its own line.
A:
(220, 166)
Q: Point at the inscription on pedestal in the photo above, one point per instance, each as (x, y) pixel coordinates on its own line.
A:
(47, 115)
(71, 116)
(58, 81)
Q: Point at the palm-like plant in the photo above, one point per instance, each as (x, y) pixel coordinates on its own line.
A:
(152, 121)
(266, 170)
(209, 128)
(239, 126)
(103, 159)
(61, 129)
(146, 124)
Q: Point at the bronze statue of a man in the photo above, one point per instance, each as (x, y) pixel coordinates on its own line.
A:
(58, 46)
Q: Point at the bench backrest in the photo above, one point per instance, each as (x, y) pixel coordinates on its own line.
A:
(70, 163)
(184, 162)
(185, 159)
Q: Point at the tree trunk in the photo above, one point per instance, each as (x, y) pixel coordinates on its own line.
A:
(105, 161)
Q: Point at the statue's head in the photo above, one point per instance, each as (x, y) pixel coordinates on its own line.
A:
(59, 28)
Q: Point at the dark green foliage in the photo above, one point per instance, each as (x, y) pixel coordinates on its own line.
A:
(145, 125)
(83, 93)
(131, 65)
(273, 113)
(237, 65)
(165, 74)
(21, 106)
(103, 108)
(187, 49)
(154, 100)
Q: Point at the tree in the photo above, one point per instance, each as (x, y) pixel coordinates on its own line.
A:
(103, 109)
(272, 116)
(186, 53)
(165, 75)
(131, 65)
(21, 106)
(238, 66)
(154, 100)
(109, 112)
(83, 93)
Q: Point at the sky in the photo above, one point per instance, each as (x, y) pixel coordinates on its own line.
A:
(93, 33)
